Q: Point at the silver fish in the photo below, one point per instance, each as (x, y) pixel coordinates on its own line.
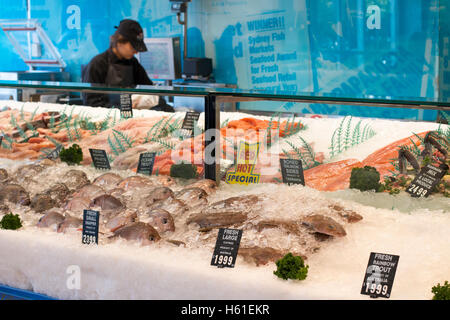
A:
(51, 217)
(107, 180)
(14, 193)
(135, 182)
(75, 179)
(176, 242)
(139, 231)
(195, 198)
(157, 194)
(121, 220)
(70, 222)
(161, 220)
(174, 206)
(207, 222)
(288, 225)
(350, 215)
(209, 186)
(325, 225)
(116, 192)
(262, 256)
(107, 202)
(58, 192)
(225, 213)
(42, 202)
(24, 173)
(78, 204)
(89, 190)
(233, 204)
(165, 181)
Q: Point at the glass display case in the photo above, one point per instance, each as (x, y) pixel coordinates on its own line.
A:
(311, 134)
(331, 189)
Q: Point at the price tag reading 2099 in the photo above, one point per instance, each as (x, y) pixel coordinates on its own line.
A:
(227, 246)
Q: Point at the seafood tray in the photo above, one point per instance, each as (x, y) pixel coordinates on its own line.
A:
(153, 229)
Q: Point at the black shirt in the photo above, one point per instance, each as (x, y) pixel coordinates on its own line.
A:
(96, 72)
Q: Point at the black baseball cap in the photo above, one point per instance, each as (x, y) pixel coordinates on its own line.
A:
(131, 30)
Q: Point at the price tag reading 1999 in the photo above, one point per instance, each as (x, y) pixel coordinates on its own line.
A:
(380, 274)
(222, 260)
(227, 246)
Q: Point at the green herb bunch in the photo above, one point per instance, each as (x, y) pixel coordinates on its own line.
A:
(441, 292)
(367, 178)
(291, 267)
(72, 155)
(11, 222)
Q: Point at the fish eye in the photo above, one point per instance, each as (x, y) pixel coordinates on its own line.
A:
(164, 220)
(151, 238)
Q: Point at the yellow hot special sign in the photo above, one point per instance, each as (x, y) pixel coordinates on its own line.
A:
(246, 160)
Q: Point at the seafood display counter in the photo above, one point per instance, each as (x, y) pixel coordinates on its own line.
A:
(331, 190)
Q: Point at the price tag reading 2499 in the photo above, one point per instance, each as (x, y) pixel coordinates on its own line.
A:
(426, 180)
(227, 246)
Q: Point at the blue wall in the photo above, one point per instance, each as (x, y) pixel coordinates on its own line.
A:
(346, 48)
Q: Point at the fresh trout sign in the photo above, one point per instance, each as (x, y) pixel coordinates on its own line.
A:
(246, 161)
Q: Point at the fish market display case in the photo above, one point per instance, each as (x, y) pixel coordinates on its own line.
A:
(329, 189)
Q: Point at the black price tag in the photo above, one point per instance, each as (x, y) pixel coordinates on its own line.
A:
(189, 120)
(292, 171)
(90, 227)
(146, 161)
(227, 246)
(100, 159)
(55, 153)
(126, 106)
(426, 180)
(380, 274)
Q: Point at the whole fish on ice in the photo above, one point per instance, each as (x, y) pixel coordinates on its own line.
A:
(158, 194)
(51, 217)
(324, 225)
(139, 231)
(135, 182)
(70, 223)
(193, 197)
(14, 193)
(75, 179)
(107, 180)
(159, 219)
(89, 191)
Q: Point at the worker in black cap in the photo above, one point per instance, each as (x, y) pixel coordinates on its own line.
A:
(117, 67)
